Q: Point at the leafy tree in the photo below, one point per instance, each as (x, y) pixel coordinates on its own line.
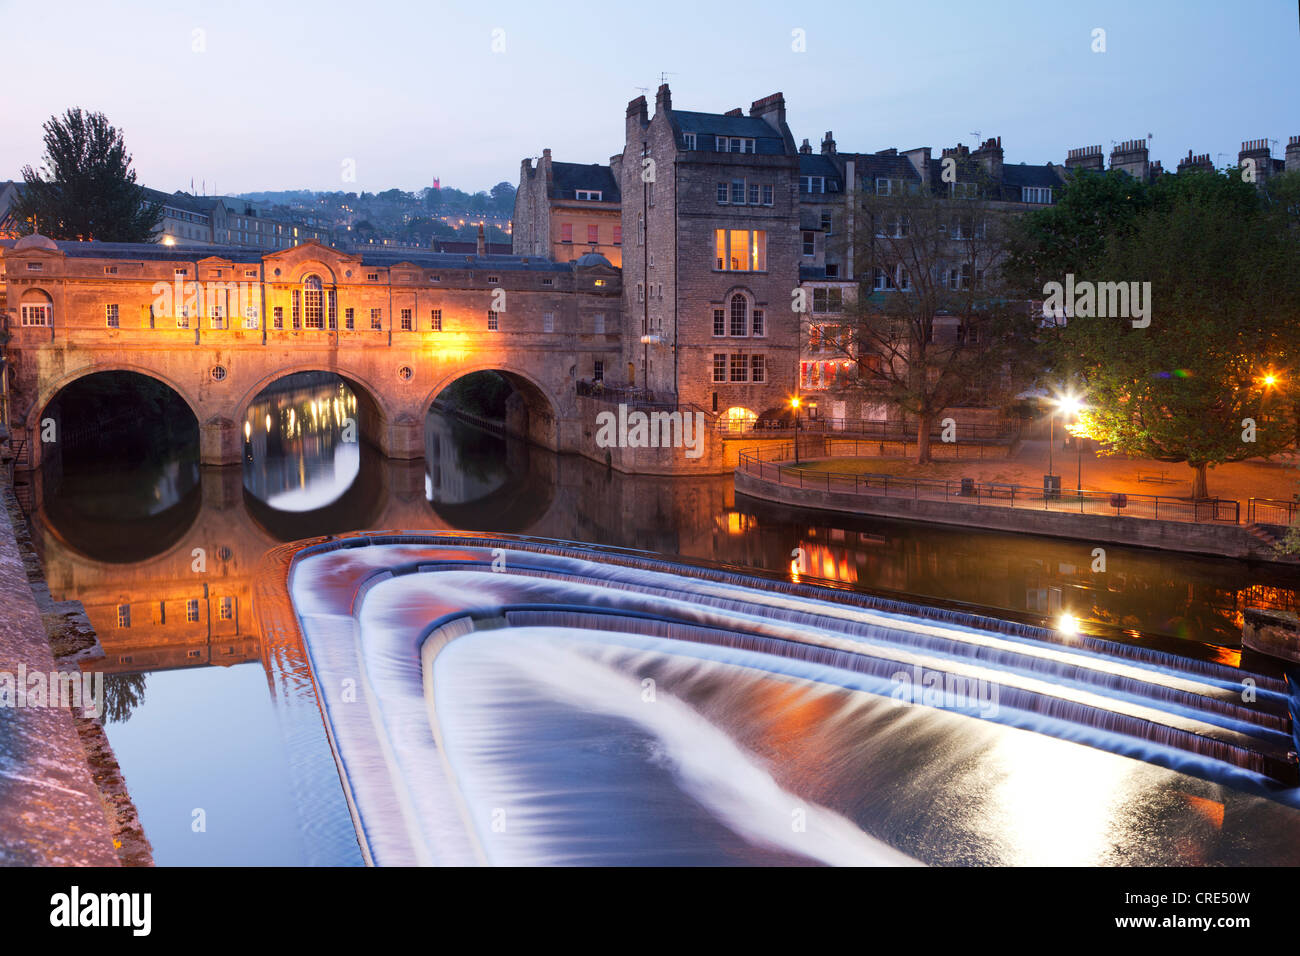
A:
(86, 188)
(503, 198)
(1202, 383)
(943, 330)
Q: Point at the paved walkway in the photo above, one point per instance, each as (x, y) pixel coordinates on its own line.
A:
(51, 813)
(1279, 478)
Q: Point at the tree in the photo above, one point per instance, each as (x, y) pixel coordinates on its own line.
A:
(86, 188)
(1198, 377)
(503, 198)
(931, 326)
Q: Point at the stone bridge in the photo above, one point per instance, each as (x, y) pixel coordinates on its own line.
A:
(218, 325)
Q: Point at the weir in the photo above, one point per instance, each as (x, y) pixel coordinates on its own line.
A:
(381, 612)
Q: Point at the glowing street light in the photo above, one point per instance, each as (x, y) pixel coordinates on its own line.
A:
(795, 403)
(1070, 407)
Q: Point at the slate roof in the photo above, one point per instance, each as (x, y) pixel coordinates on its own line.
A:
(818, 164)
(180, 253)
(567, 178)
(767, 140)
(883, 165)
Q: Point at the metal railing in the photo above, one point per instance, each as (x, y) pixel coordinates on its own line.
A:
(775, 463)
(1272, 511)
(879, 429)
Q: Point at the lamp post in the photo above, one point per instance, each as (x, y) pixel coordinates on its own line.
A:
(795, 403)
(1070, 406)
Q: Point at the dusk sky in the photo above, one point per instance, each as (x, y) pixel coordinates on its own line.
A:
(282, 94)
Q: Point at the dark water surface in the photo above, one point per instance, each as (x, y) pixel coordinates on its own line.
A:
(211, 754)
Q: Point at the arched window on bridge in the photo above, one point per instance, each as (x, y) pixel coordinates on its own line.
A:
(37, 309)
(313, 302)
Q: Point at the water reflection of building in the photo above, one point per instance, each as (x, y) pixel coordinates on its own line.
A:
(182, 595)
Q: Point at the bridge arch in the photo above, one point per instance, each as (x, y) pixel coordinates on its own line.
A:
(532, 412)
(32, 417)
(376, 418)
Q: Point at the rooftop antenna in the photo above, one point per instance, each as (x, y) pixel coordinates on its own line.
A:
(663, 77)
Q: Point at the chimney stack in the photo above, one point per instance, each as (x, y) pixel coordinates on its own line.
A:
(663, 99)
(1131, 156)
(771, 109)
(1086, 157)
(482, 241)
(990, 157)
(1293, 153)
(828, 144)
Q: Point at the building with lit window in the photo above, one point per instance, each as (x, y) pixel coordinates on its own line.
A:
(567, 210)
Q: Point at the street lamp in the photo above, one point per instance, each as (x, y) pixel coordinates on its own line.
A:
(1070, 407)
(795, 403)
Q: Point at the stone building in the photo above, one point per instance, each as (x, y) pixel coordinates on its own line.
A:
(711, 209)
(566, 210)
(219, 324)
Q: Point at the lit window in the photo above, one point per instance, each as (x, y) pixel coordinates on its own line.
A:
(313, 303)
(740, 250)
(124, 615)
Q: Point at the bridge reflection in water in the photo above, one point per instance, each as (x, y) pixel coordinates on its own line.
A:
(165, 557)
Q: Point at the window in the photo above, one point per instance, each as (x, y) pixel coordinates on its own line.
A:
(828, 222)
(218, 317)
(640, 229)
(737, 192)
(405, 320)
(832, 270)
(110, 270)
(812, 184)
(640, 292)
(758, 326)
(688, 140)
(618, 241)
(313, 305)
(883, 281)
(226, 609)
(372, 276)
(739, 314)
(548, 321)
(963, 190)
(1041, 194)
(650, 193)
(588, 195)
(598, 323)
(38, 314)
(435, 278)
(884, 187)
(250, 273)
(719, 322)
(192, 611)
(110, 315)
(740, 250)
(753, 195)
(493, 280)
(332, 309)
(566, 232)
(809, 243)
(828, 300)
(349, 318)
(735, 144)
(250, 317)
(376, 319)
(124, 615)
(598, 371)
(435, 320)
(277, 317)
(593, 234)
(739, 367)
(769, 195)
(494, 323)
(724, 193)
(719, 366)
(35, 266)
(757, 368)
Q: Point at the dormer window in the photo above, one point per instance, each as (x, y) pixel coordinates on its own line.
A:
(588, 195)
(688, 140)
(735, 144)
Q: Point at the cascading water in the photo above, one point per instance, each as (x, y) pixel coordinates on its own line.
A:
(521, 702)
